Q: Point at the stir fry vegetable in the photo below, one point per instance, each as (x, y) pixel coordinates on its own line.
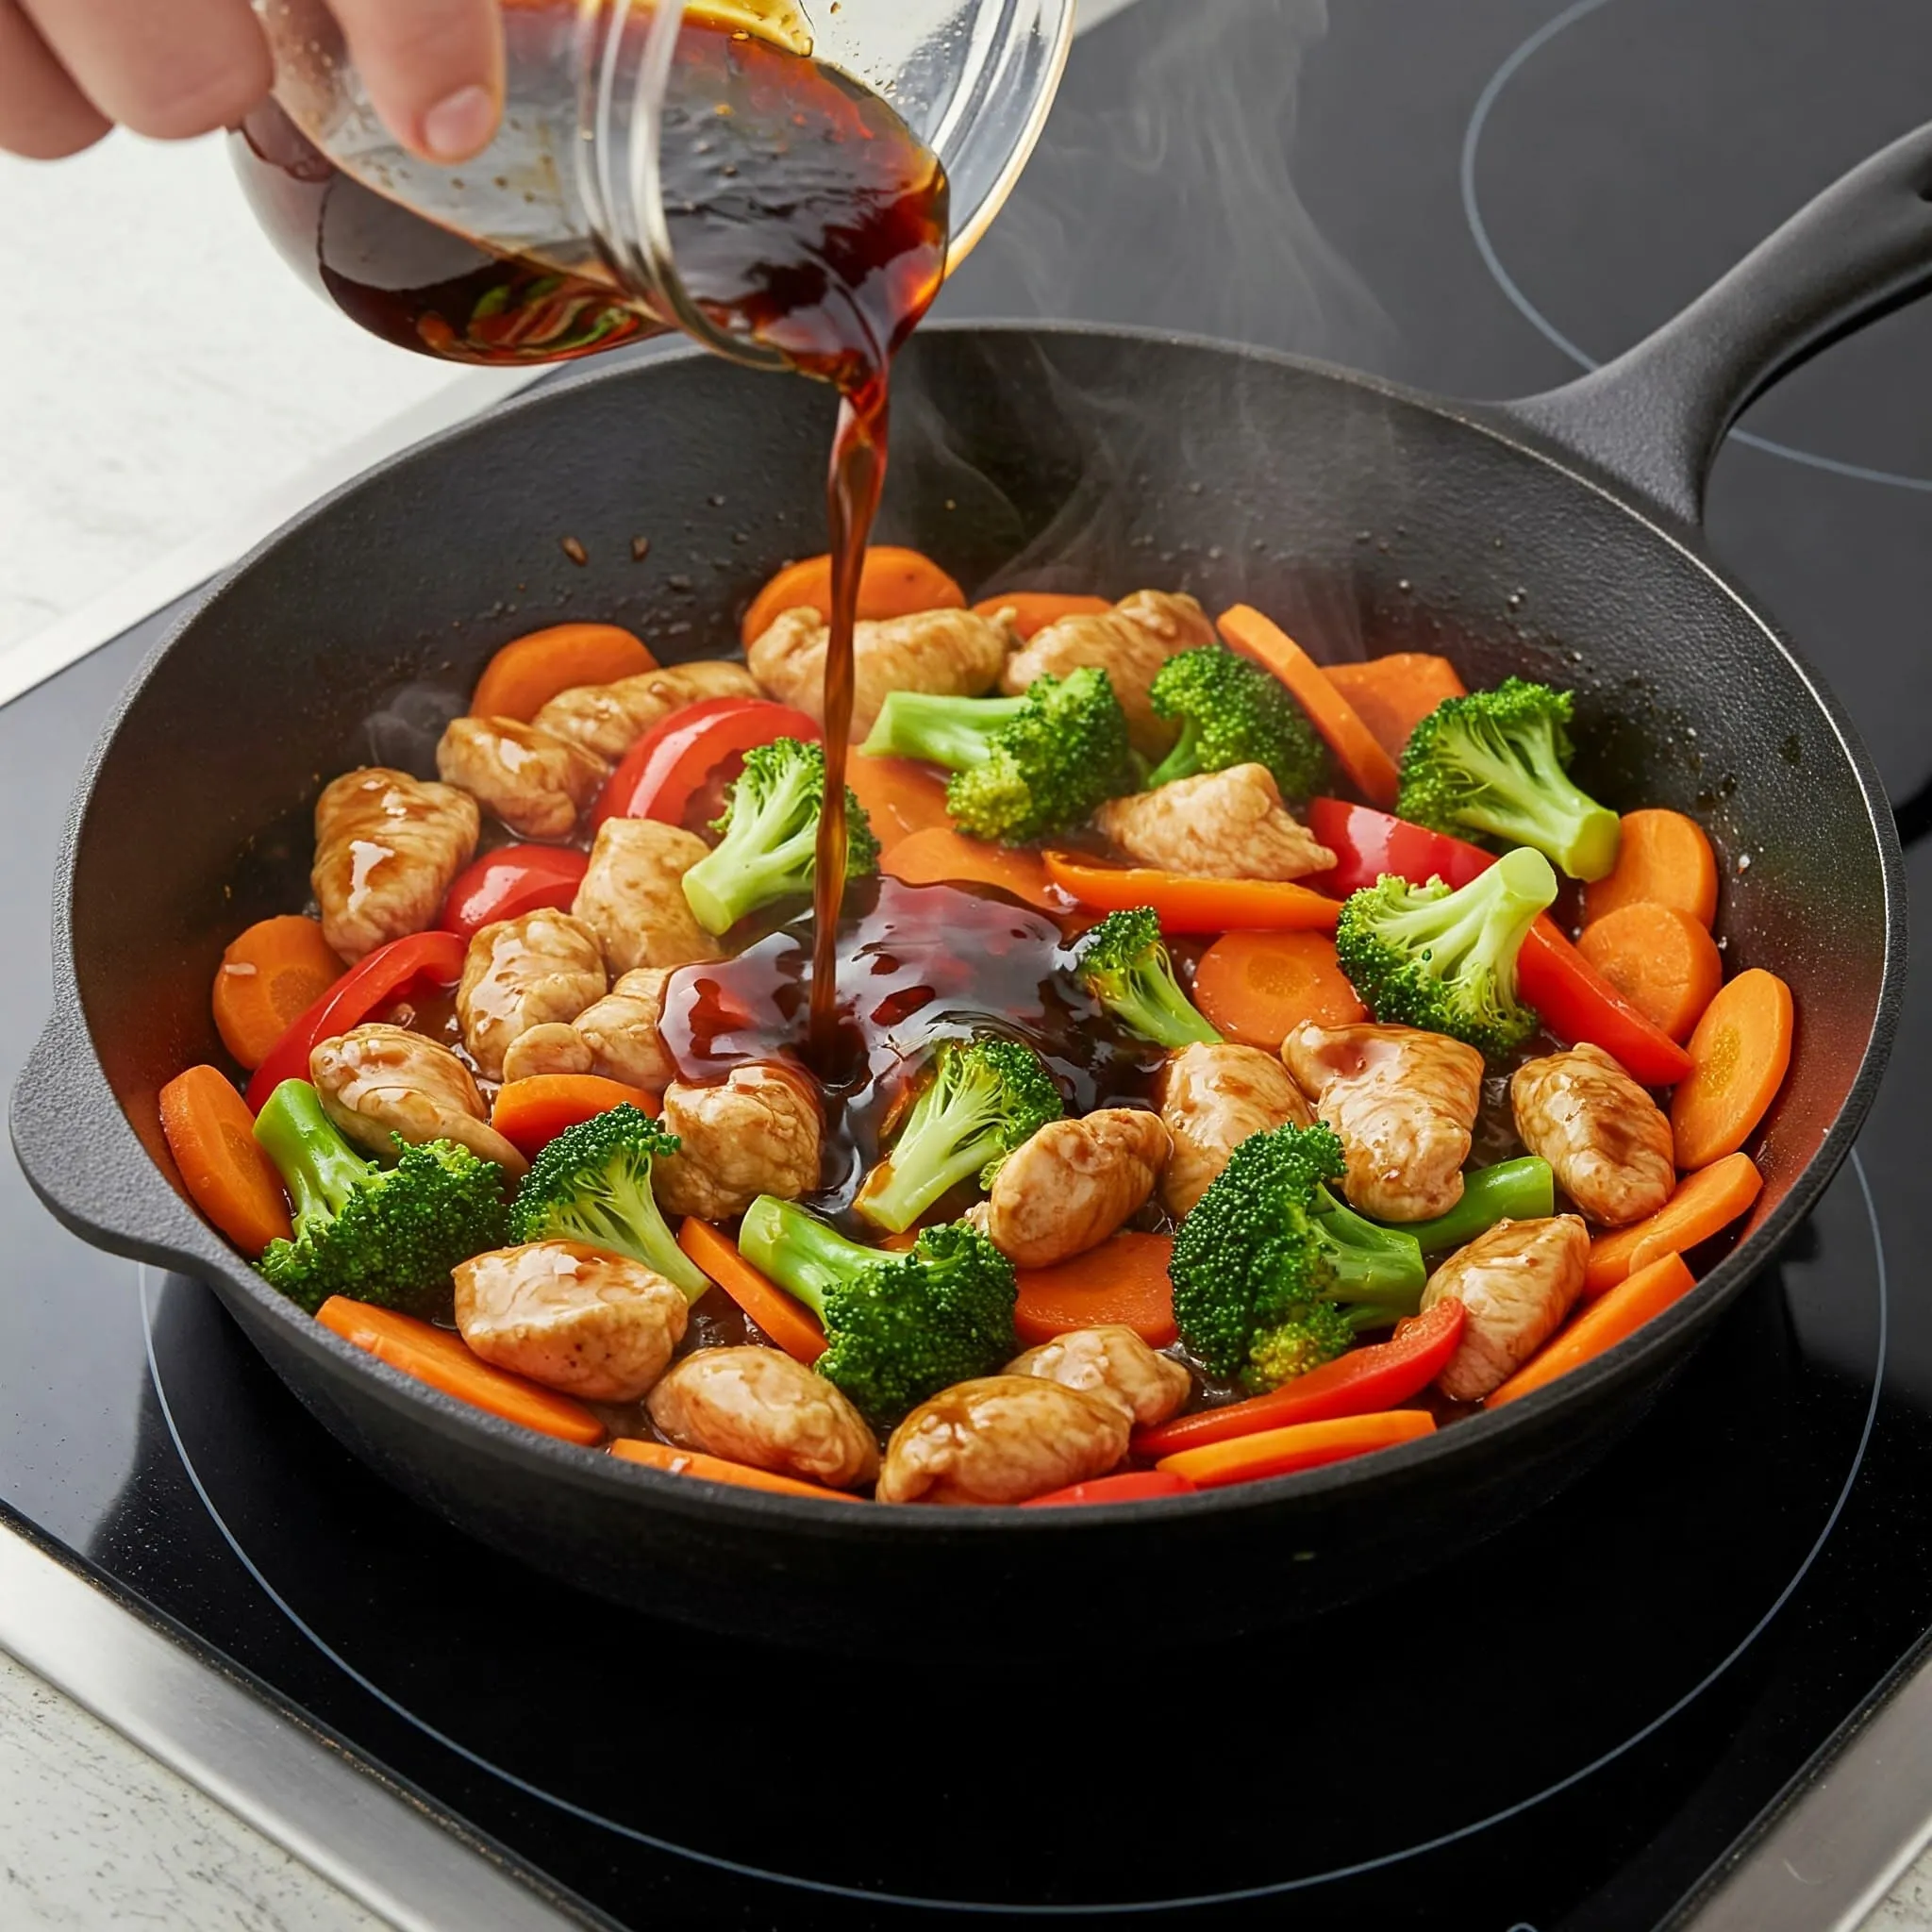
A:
(1125, 967)
(1231, 712)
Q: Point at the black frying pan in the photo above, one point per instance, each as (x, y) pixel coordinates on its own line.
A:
(1554, 537)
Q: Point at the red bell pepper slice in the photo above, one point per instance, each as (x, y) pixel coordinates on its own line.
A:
(1132, 1486)
(1367, 842)
(510, 881)
(661, 774)
(364, 989)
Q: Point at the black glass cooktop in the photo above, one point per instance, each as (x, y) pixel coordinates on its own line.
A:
(1567, 1727)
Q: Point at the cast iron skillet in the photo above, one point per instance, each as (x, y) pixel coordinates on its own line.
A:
(1554, 537)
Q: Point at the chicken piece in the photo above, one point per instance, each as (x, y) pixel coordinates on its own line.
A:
(620, 1031)
(1130, 642)
(1403, 1103)
(553, 1048)
(758, 1406)
(1112, 1361)
(386, 847)
(1002, 1438)
(521, 973)
(1606, 1140)
(606, 719)
(632, 896)
(1211, 1099)
(1073, 1183)
(375, 1081)
(596, 1325)
(1516, 1283)
(948, 653)
(534, 781)
(755, 1132)
(1228, 825)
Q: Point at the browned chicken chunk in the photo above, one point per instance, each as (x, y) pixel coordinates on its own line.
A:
(1228, 825)
(620, 1031)
(596, 1325)
(755, 1132)
(1516, 1283)
(633, 895)
(608, 719)
(377, 1081)
(1112, 1361)
(1072, 1184)
(552, 1048)
(1211, 1099)
(386, 848)
(1606, 1140)
(522, 973)
(534, 781)
(758, 1406)
(1002, 1438)
(1403, 1103)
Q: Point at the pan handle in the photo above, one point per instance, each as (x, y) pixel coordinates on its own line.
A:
(1654, 418)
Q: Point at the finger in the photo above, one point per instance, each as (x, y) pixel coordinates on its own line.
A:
(433, 68)
(43, 115)
(168, 68)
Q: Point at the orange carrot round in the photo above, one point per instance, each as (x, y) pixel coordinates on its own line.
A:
(892, 583)
(531, 1112)
(1662, 857)
(1300, 1445)
(211, 1135)
(1739, 1053)
(1660, 959)
(529, 670)
(1393, 695)
(900, 797)
(1705, 1204)
(1259, 986)
(714, 1468)
(789, 1322)
(1033, 610)
(268, 979)
(939, 857)
(1604, 1322)
(1123, 1280)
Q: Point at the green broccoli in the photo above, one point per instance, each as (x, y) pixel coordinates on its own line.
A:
(983, 1100)
(1233, 712)
(1021, 767)
(770, 831)
(1423, 956)
(899, 1326)
(593, 1184)
(388, 1236)
(1497, 761)
(1125, 967)
(1273, 1275)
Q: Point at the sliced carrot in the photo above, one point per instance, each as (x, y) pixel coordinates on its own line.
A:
(789, 1322)
(892, 583)
(531, 1112)
(1739, 1053)
(1604, 1322)
(529, 670)
(1033, 610)
(1259, 986)
(268, 979)
(1393, 695)
(900, 797)
(1302, 1446)
(1660, 959)
(1663, 858)
(1705, 1204)
(436, 1357)
(1186, 904)
(940, 857)
(210, 1133)
(1123, 1280)
(1370, 769)
(714, 1468)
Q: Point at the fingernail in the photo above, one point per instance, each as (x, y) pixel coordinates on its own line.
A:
(461, 124)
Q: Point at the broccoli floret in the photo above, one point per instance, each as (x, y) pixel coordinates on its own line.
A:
(593, 1184)
(388, 1236)
(1497, 761)
(1233, 712)
(899, 1326)
(1271, 1274)
(770, 836)
(1125, 967)
(1021, 767)
(983, 1099)
(1423, 956)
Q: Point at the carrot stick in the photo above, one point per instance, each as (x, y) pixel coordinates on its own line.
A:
(1370, 769)
(1393, 695)
(1739, 1053)
(1660, 959)
(714, 1468)
(1617, 1312)
(529, 670)
(1123, 1280)
(1193, 904)
(1302, 1446)
(270, 975)
(436, 1357)
(892, 583)
(900, 797)
(789, 1322)
(940, 857)
(530, 1113)
(1259, 986)
(1705, 1204)
(1034, 610)
(210, 1133)
(1663, 857)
